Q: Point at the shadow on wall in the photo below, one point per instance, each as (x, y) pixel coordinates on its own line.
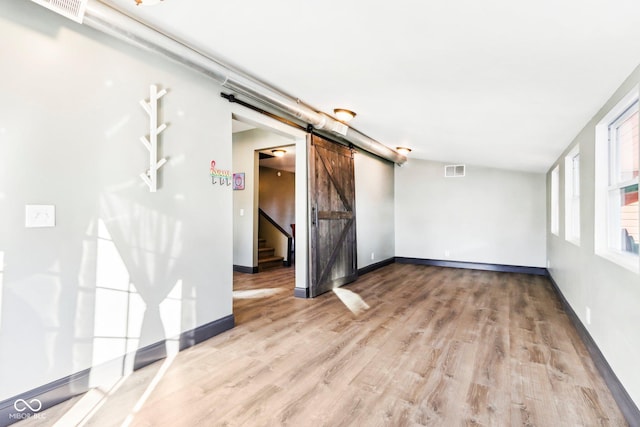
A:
(138, 283)
(118, 290)
(107, 279)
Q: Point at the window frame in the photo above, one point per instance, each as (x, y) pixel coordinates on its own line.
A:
(605, 196)
(617, 184)
(554, 225)
(572, 209)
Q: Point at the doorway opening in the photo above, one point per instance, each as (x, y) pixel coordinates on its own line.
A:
(269, 256)
(317, 215)
(276, 207)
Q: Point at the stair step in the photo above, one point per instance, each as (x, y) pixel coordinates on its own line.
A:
(262, 243)
(265, 253)
(269, 262)
(270, 259)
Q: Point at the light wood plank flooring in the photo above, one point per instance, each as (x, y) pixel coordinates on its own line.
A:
(403, 346)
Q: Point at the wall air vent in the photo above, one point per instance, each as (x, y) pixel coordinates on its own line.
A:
(454, 171)
(72, 9)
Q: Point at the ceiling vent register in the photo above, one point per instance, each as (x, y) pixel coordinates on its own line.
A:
(72, 9)
(454, 171)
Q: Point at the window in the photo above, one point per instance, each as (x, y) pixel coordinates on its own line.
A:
(617, 216)
(555, 200)
(623, 182)
(572, 196)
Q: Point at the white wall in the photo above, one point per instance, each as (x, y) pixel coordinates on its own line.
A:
(587, 280)
(374, 209)
(69, 128)
(489, 216)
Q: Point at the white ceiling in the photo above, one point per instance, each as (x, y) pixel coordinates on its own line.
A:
(502, 83)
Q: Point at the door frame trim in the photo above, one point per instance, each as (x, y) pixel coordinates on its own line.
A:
(298, 136)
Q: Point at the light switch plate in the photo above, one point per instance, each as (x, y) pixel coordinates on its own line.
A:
(37, 216)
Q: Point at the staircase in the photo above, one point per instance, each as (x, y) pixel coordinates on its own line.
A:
(266, 257)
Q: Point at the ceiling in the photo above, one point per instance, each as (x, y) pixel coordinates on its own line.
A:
(499, 83)
(286, 163)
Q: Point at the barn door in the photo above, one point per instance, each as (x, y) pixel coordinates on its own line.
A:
(332, 256)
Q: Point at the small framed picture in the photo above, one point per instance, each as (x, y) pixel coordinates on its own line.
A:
(238, 181)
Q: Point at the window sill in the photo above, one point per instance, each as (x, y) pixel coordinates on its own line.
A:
(630, 262)
(574, 241)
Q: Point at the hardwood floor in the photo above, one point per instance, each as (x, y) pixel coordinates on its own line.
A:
(403, 346)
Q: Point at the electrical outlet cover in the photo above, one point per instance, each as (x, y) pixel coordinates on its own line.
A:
(37, 216)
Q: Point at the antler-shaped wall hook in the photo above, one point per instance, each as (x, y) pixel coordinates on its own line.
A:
(150, 177)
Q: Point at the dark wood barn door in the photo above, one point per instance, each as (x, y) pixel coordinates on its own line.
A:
(332, 257)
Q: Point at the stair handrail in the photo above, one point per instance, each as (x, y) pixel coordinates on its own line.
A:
(274, 223)
(281, 230)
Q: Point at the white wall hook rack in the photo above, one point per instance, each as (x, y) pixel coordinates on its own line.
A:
(150, 177)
